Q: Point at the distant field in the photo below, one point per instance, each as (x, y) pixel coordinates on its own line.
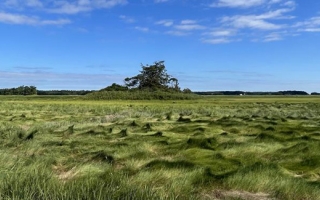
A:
(218, 147)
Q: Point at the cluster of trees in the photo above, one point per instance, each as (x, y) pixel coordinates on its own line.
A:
(151, 78)
(32, 90)
(315, 93)
(21, 90)
(289, 92)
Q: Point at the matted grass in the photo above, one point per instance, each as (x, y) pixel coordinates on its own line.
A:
(208, 148)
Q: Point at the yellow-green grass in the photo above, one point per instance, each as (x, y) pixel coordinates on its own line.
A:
(218, 147)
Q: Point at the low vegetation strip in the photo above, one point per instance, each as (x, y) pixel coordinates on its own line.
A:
(208, 148)
(139, 95)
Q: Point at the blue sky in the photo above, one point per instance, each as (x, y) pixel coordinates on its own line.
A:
(250, 45)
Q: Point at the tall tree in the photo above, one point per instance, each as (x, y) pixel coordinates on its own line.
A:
(153, 77)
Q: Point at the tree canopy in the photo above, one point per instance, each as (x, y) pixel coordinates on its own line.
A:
(21, 90)
(115, 87)
(153, 77)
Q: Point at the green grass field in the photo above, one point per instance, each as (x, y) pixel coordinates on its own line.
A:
(208, 148)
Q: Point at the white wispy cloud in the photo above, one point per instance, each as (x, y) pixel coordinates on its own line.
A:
(127, 19)
(270, 22)
(64, 6)
(14, 11)
(291, 4)
(217, 41)
(177, 33)
(67, 7)
(277, 14)
(143, 29)
(237, 3)
(250, 21)
(10, 18)
(108, 3)
(165, 22)
(21, 3)
(221, 32)
(189, 25)
(273, 37)
(310, 30)
(183, 28)
(248, 3)
(258, 21)
(218, 36)
(54, 22)
(275, 1)
(309, 25)
(33, 3)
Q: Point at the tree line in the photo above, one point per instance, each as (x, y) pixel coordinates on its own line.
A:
(32, 90)
(21, 90)
(152, 78)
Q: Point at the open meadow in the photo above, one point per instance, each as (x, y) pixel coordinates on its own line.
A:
(208, 148)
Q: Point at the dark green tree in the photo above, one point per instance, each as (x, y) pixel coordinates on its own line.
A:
(115, 87)
(187, 90)
(153, 77)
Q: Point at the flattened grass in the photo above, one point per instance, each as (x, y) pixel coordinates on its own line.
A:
(209, 148)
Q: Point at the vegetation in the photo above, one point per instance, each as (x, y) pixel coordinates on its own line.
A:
(211, 148)
(139, 95)
(32, 90)
(153, 83)
(315, 93)
(289, 92)
(115, 87)
(64, 92)
(152, 78)
(21, 90)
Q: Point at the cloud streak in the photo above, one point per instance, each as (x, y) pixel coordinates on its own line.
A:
(14, 11)
(165, 22)
(63, 6)
(253, 20)
(67, 7)
(183, 28)
(261, 21)
(10, 18)
(310, 25)
(237, 3)
(271, 22)
(189, 25)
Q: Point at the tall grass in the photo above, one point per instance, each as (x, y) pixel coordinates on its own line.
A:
(210, 148)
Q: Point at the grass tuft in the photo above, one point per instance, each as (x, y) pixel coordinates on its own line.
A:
(30, 136)
(159, 164)
(203, 143)
(123, 133)
(103, 157)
